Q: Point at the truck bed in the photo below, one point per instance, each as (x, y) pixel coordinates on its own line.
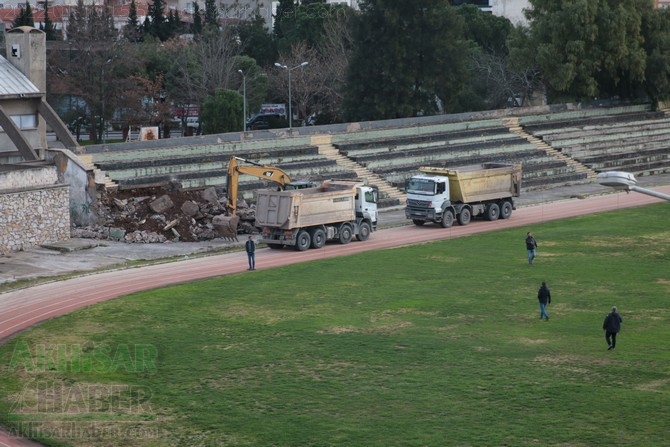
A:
(330, 203)
(481, 182)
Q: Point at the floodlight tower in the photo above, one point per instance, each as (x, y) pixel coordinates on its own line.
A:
(626, 181)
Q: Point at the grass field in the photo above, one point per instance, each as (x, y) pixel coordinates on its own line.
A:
(430, 345)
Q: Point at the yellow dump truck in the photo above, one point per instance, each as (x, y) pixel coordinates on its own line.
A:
(442, 195)
(304, 218)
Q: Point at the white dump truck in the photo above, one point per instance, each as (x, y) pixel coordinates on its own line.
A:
(441, 195)
(304, 218)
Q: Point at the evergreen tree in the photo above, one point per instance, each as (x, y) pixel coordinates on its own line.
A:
(158, 25)
(25, 17)
(256, 42)
(211, 14)
(49, 28)
(409, 57)
(285, 11)
(588, 49)
(222, 112)
(132, 30)
(196, 28)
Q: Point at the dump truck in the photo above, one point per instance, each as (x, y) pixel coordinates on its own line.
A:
(336, 210)
(442, 195)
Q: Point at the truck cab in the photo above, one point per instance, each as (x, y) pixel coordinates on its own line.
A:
(365, 203)
(427, 196)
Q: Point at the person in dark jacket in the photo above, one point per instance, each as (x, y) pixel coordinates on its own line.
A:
(544, 297)
(531, 246)
(612, 326)
(250, 247)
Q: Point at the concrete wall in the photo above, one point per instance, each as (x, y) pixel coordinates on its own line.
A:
(33, 207)
(82, 197)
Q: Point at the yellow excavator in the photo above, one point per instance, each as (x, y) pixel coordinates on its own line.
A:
(229, 224)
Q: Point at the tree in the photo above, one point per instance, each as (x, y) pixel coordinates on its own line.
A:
(588, 48)
(656, 31)
(408, 58)
(25, 17)
(156, 24)
(196, 28)
(48, 28)
(99, 65)
(285, 9)
(222, 112)
(211, 14)
(132, 29)
(256, 41)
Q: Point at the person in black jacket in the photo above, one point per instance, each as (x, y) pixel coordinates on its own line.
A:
(531, 246)
(250, 248)
(612, 326)
(544, 297)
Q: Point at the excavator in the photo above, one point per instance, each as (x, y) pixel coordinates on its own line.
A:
(228, 225)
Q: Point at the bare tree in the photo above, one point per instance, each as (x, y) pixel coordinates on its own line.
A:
(506, 87)
(308, 83)
(96, 65)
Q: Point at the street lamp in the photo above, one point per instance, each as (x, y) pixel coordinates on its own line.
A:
(627, 182)
(244, 101)
(290, 111)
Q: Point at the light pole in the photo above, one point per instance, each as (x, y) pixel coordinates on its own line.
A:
(244, 101)
(627, 182)
(290, 110)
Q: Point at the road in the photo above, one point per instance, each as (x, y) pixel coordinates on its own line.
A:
(20, 309)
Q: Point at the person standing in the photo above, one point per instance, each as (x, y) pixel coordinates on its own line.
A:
(250, 247)
(531, 246)
(612, 326)
(544, 297)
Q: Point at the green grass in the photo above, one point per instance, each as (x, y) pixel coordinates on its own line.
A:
(431, 345)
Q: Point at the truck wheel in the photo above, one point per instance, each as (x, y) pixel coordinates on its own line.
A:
(465, 216)
(418, 222)
(318, 238)
(447, 219)
(345, 234)
(506, 209)
(492, 212)
(363, 232)
(302, 241)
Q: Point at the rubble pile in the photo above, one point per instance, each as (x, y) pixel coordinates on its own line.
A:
(157, 215)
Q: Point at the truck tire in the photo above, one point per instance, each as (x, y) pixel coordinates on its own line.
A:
(506, 209)
(447, 219)
(492, 212)
(302, 241)
(318, 238)
(465, 216)
(363, 232)
(346, 234)
(418, 222)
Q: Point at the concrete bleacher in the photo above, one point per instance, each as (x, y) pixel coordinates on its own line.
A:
(202, 165)
(397, 159)
(555, 147)
(632, 139)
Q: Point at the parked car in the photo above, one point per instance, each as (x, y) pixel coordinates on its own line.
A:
(264, 121)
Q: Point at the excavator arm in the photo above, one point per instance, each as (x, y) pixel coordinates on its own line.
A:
(270, 173)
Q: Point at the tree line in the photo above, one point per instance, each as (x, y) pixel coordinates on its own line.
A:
(389, 59)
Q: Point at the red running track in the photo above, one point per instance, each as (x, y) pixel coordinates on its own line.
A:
(23, 308)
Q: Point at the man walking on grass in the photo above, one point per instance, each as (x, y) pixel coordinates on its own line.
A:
(612, 326)
(544, 297)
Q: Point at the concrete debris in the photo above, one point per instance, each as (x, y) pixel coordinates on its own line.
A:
(159, 215)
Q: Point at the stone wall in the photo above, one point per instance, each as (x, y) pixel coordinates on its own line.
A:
(34, 209)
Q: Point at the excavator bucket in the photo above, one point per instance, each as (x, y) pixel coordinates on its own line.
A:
(227, 226)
